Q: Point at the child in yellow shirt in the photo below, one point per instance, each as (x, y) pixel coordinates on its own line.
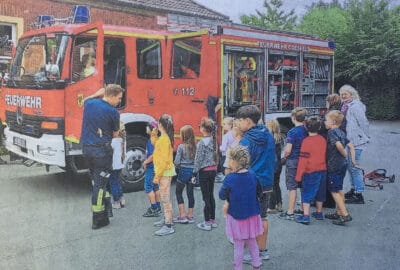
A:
(164, 169)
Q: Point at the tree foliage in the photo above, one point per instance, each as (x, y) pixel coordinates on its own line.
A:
(367, 37)
(325, 22)
(275, 18)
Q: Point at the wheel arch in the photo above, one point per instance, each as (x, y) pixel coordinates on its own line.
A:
(135, 123)
(132, 175)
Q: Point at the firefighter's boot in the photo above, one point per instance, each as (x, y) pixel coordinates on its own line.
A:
(108, 205)
(100, 219)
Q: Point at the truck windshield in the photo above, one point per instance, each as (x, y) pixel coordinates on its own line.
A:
(38, 61)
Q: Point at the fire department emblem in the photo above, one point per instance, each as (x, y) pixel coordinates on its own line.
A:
(80, 100)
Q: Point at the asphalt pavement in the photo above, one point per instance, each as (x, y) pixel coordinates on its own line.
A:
(46, 224)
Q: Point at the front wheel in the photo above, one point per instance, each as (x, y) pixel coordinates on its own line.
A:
(132, 175)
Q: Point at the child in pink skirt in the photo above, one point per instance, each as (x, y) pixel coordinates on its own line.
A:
(243, 221)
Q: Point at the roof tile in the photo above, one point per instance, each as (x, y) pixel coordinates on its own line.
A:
(187, 7)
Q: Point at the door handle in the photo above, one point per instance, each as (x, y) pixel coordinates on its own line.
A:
(198, 100)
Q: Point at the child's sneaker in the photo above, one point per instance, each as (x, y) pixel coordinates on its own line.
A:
(349, 194)
(159, 210)
(165, 230)
(298, 212)
(116, 205)
(247, 258)
(190, 220)
(317, 215)
(303, 219)
(342, 220)
(333, 215)
(213, 223)
(264, 255)
(122, 201)
(272, 211)
(204, 226)
(151, 212)
(357, 198)
(219, 178)
(159, 223)
(287, 216)
(182, 220)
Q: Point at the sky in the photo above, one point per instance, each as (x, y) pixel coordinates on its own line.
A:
(235, 8)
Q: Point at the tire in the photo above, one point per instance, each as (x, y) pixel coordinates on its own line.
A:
(392, 178)
(132, 175)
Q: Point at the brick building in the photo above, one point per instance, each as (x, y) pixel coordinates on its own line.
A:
(17, 17)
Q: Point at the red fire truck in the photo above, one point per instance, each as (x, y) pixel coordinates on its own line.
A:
(184, 74)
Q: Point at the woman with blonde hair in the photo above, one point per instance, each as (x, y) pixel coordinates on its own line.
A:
(357, 132)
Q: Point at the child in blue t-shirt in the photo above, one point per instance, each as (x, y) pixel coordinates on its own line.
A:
(243, 220)
(337, 165)
(151, 189)
(291, 154)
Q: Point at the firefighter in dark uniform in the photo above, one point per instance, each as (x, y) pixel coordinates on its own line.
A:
(100, 124)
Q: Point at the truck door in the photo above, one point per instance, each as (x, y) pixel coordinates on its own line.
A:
(86, 75)
(193, 77)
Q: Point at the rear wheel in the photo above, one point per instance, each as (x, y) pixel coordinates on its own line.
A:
(132, 175)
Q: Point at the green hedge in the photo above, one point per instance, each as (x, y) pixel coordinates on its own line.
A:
(383, 102)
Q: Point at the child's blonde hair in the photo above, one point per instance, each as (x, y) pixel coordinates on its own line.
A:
(275, 129)
(336, 116)
(299, 114)
(334, 102)
(229, 121)
(187, 135)
(236, 132)
(241, 155)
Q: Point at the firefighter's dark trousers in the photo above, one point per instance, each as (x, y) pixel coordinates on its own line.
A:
(99, 160)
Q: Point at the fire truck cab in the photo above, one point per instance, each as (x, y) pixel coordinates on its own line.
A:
(184, 74)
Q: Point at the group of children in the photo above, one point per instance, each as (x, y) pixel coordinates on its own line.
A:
(190, 160)
(252, 165)
(249, 167)
(316, 164)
